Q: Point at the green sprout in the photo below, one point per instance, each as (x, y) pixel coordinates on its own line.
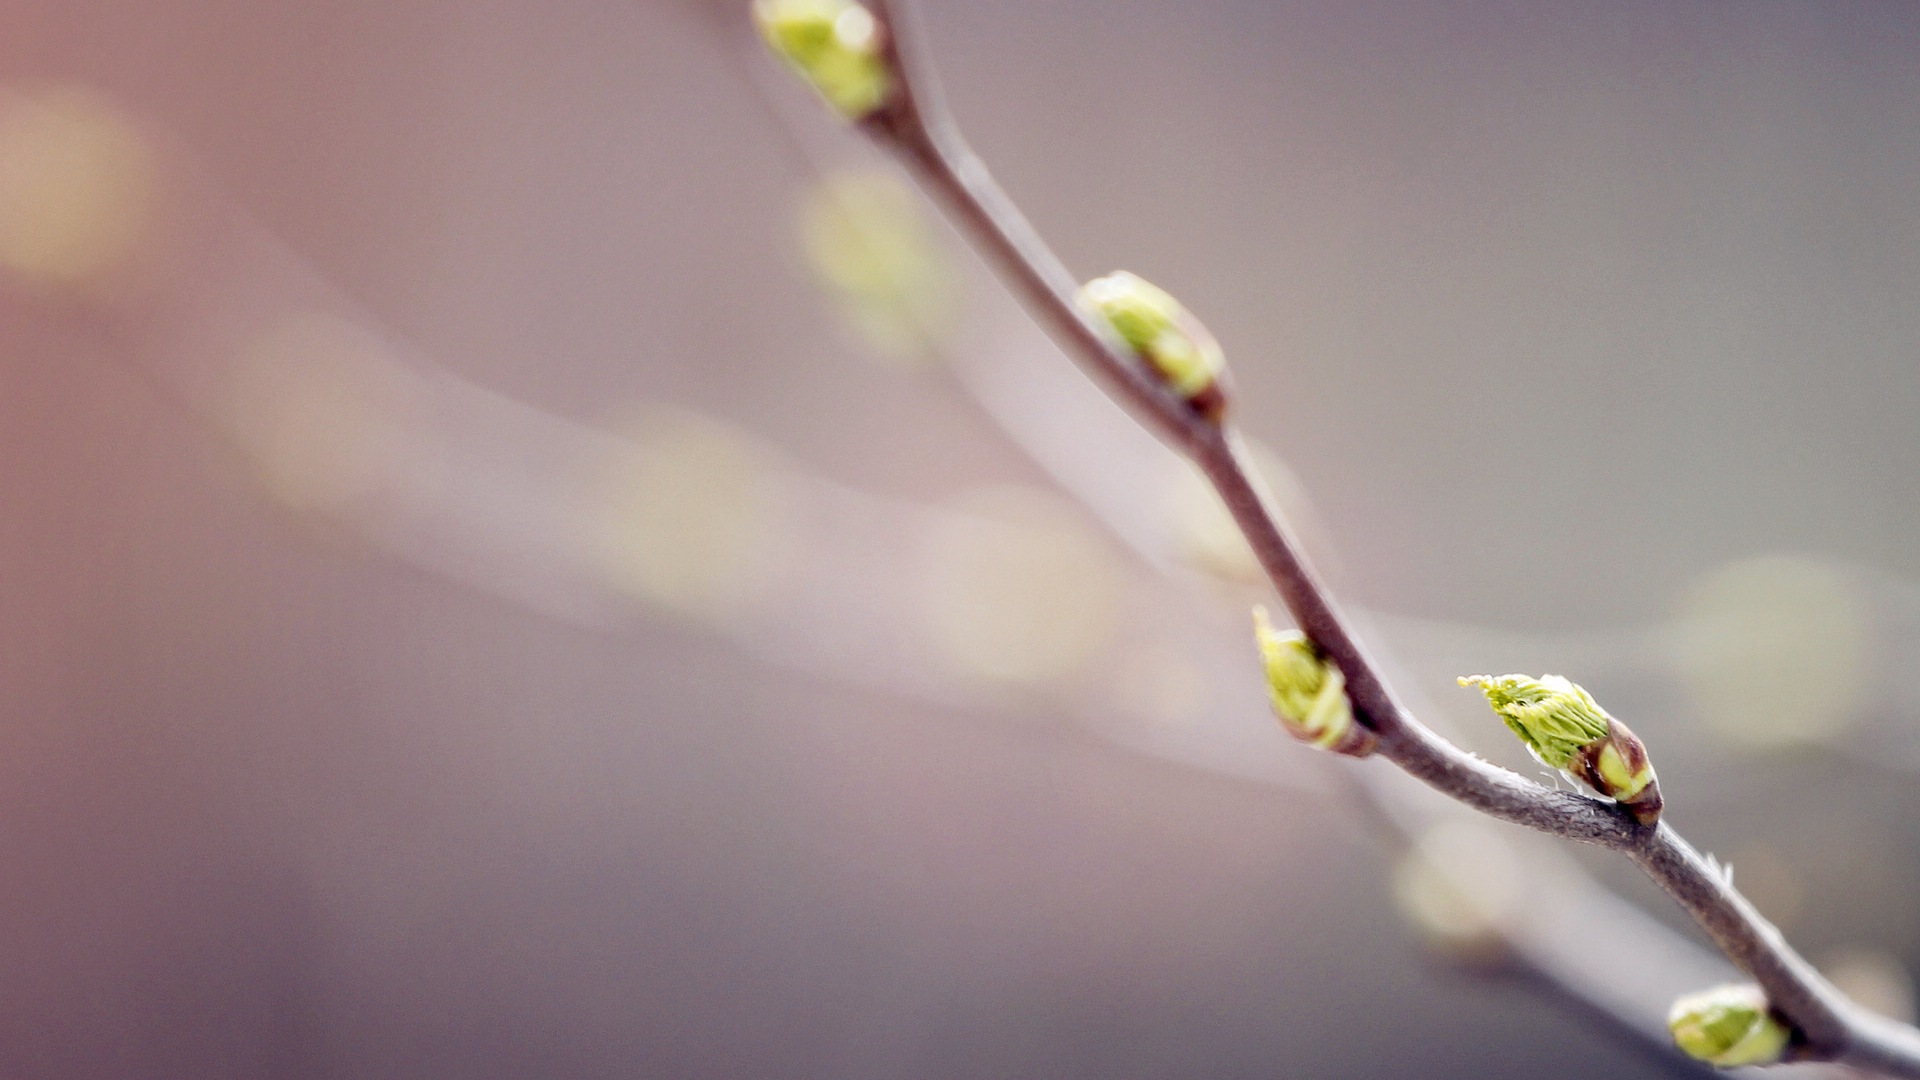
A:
(1728, 1026)
(1309, 694)
(1153, 324)
(1554, 717)
(1564, 728)
(836, 45)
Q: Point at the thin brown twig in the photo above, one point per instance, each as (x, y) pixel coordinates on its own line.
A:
(1827, 1027)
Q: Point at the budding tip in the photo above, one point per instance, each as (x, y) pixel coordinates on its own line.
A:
(1175, 347)
(1561, 725)
(837, 46)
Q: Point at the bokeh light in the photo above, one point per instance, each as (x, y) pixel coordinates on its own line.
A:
(866, 235)
(1776, 650)
(76, 186)
(1459, 884)
(1018, 589)
(322, 409)
(689, 514)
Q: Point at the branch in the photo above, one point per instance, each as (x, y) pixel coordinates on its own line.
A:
(911, 119)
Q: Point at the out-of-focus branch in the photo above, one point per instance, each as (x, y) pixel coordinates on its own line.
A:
(910, 118)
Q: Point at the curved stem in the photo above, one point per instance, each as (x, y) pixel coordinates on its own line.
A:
(1828, 1027)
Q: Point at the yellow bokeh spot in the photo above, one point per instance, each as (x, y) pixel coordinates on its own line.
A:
(1776, 650)
(1460, 884)
(867, 236)
(1017, 589)
(690, 514)
(321, 409)
(76, 186)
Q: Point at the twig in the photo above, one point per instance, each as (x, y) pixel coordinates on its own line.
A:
(1549, 947)
(914, 122)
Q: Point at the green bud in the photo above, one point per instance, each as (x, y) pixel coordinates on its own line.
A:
(836, 45)
(1154, 325)
(1309, 694)
(1564, 728)
(1728, 1026)
(1552, 716)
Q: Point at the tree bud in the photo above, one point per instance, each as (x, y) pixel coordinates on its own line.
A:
(1181, 352)
(1564, 728)
(1309, 694)
(836, 45)
(1728, 1026)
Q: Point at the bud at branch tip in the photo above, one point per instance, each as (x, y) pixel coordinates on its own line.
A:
(836, 45)
(1564, 728)
(1308, 692)
(1177, 348)
(1728, 1026)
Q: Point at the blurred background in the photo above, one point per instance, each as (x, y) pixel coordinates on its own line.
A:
(523, 552)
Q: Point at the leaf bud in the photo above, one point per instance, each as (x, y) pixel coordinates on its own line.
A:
(836, 45)
(1564, 728)
(1179, 350)
(1728, 1026)
(1308, 692)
